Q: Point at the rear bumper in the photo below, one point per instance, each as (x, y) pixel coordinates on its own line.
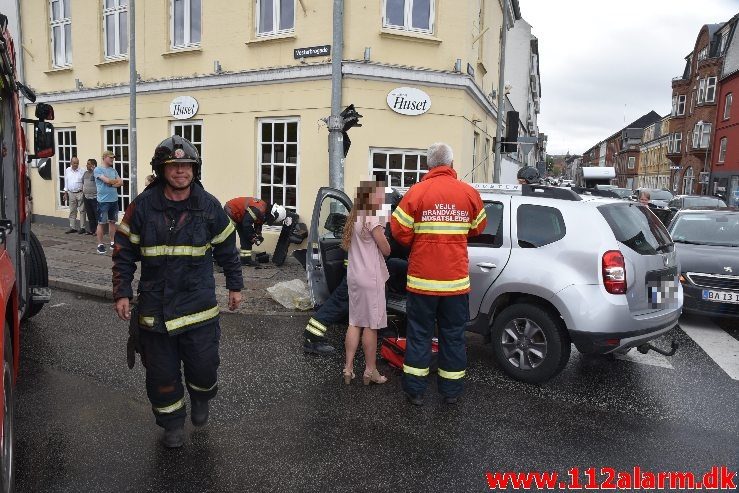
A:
(695, 305)
(602, 343)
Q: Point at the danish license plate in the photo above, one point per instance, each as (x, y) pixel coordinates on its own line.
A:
(720, 296)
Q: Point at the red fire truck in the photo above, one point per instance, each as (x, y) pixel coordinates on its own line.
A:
(23, 271)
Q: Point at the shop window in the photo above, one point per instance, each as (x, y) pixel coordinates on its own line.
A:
(66, 149)
(61, 33)
(115, 27)
(410, 15)
(186, 23)
(399, 168)
(279, 161)
(275, 17)
(116, 140)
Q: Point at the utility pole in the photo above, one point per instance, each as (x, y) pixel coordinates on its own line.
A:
(132, 135)
(501, 95)
(335, 121)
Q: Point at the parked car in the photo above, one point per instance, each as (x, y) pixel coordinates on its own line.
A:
(552, 267)
(707, 244)
(679, 202)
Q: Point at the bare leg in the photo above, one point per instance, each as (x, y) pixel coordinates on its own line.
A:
(111, 230)
(369, 346)
(100, 233)
(351, 343)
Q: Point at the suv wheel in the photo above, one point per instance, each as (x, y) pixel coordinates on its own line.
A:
(528, 343)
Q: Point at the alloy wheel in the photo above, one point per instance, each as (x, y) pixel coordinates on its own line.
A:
(524, 343)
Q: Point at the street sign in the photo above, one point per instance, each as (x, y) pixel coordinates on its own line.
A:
(324, 50)
(675, 168)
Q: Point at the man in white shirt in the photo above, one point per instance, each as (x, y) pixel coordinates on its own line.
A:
(75, 198)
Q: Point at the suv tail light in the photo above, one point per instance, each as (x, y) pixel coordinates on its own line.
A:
(614, 272)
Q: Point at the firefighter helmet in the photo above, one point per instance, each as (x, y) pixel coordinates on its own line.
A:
(276, 215)
(529, 174)
(176, 149)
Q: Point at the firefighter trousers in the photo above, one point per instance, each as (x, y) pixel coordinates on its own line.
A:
(245, 252)
(452, 314)
(334, 310)
(164, 356)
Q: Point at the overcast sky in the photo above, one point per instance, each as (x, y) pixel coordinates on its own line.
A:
(602, 60)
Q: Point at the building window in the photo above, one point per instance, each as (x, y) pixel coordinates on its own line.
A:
(279, 162)
(701, 135)
(710, 89)
(701, 90)
(411, 15)
(115, 26)
(722, 150)
(186, 22)
(677, 139)
(727, 106)
(116, 140)
(681, 105)
(61, 33)
(192, 131)
(632, 162)
(688, 181)
(724, 39)
(66, 149)
(275, 17)
(399, 168)
(703, 54)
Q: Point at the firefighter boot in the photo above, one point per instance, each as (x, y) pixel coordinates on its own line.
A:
(317, 345)
(174, 437)
(199, 412)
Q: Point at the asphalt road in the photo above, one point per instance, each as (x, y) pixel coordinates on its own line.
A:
(283, 422)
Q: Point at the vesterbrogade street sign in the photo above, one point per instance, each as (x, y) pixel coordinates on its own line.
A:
(409, 101)
(324, 50)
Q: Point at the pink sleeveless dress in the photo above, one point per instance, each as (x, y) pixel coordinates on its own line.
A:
(366, 276)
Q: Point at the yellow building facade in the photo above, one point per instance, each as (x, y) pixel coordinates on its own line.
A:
(654, 167)
(258, 102)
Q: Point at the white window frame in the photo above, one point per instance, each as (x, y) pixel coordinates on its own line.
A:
(674, 106)
(66, 149)
(705, 138)
(681, 105)
(61, 23)
(701, 90)
(677, 142)
(722, 150)
(408, 17)
(710, 89)
(727, 105)
(276, 17)
(688, 181)
(186, 129)
(724, 39)
(186, 25)
(419, 171)
(123, 167)
(631, 162)
(285, 165)
(118, 51)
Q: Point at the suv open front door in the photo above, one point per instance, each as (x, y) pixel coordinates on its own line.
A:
(324, 260)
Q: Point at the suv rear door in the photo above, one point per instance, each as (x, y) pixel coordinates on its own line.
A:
(490, 251)
(649, 254)
(324, 259)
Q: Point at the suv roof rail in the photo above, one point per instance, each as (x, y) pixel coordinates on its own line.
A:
(596, 192)
(527, 190)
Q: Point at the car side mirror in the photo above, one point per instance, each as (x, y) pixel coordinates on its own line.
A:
(43, 139)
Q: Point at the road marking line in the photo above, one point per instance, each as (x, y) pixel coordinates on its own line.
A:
(718, 345)
(651, 358)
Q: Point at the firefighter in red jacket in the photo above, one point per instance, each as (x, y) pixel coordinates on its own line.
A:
(248, 215)
(434, 219)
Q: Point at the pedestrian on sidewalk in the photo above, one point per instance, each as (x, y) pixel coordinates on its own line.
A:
(175, 229)
(434, 219)
(364, 239)
(90, 193)
(73, 193)
(107, 181)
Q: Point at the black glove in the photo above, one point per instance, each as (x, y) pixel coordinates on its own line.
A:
(257, 240)
(133, 345)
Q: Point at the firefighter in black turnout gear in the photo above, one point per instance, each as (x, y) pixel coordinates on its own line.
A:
(175, 229)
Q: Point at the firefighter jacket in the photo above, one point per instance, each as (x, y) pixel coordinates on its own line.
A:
(249, 212)
(434, 219)
(176, 248)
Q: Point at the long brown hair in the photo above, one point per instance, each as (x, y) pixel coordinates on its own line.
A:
(362, 203)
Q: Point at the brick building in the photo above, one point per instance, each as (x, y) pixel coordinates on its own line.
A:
(694, 98)
(624, 147)
(725, 158)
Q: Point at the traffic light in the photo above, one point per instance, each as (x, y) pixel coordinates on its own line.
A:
(350, 118)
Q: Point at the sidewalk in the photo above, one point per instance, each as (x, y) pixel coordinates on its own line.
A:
(74, 265)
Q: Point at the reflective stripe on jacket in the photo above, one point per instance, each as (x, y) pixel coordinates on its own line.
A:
(434, 219)
(177, 287)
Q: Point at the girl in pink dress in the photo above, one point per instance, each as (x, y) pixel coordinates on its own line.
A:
(364, 239)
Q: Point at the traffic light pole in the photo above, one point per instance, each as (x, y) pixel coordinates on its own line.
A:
(335, 122)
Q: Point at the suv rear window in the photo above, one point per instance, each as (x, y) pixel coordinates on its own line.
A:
(637, 227)
(539, 225)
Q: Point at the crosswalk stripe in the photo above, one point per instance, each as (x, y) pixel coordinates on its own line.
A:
(720, 346)
(651, 358)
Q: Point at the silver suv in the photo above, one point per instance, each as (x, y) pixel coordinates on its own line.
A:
(551, 268)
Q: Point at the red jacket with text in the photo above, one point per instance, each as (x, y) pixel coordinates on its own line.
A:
(434, 219)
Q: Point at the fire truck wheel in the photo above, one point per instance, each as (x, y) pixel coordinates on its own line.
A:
(7, 468)
(38, 273)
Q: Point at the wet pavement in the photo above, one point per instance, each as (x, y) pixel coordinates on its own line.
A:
(283, 422)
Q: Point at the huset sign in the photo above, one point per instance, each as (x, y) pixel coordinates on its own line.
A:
(183, 107)
(408, 101)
